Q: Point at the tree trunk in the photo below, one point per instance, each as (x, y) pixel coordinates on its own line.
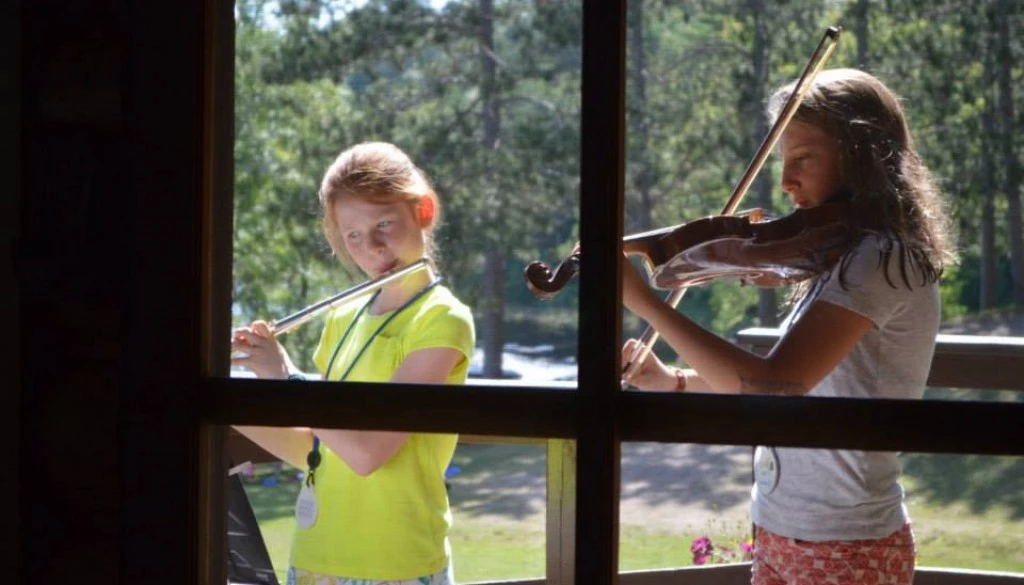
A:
(1011, 176)
(494, 262)
(493, 305)
(987, 181)
(767, 310)
(860, 12)
(642, 179)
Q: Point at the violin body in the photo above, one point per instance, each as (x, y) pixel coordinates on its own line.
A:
(765, 254)
(745, 248)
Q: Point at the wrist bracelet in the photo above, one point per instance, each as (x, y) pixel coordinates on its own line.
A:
(680, 381)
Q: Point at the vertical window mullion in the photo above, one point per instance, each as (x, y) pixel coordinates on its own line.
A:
(215, 239)
(601, 202)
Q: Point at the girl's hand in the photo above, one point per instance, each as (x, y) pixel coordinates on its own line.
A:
(264, 355)
(651, 374)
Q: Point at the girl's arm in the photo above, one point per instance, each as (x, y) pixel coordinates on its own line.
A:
(652, 374)
(367, 451)
(290, 445)
(811, 348)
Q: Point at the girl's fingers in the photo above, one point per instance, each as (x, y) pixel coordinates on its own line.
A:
(252, 337)
(262, 329)
(627, 349)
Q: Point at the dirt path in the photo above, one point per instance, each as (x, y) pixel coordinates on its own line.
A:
(665, 487)
(685, 488)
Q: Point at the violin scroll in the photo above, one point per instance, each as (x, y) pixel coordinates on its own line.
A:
(543, 283)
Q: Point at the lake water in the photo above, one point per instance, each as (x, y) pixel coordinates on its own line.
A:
(528, 364)
(522, 366)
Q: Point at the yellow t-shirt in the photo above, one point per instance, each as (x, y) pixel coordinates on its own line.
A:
(393, 523)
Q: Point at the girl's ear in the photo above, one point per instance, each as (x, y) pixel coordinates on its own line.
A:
(425, 211)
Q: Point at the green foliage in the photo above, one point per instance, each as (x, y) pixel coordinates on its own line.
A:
(316, 76)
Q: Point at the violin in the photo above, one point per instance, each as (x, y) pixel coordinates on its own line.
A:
(727, 245)
(744, 247)
(756, 252)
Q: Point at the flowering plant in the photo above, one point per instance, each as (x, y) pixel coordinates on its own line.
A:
(706, 553)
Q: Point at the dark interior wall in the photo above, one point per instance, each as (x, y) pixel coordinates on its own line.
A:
(67, 266)
(10, 359)
(106, 276)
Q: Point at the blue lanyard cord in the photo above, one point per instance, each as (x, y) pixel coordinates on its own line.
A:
(313, 458)
(366, 345)
(330, 364)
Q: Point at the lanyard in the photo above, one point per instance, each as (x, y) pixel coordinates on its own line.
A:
(313, 458)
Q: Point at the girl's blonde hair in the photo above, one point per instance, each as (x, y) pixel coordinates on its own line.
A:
(377, 172)
(883, 178)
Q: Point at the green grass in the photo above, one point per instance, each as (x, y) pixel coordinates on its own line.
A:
(967, 510)
(968, 513)
(483, 552)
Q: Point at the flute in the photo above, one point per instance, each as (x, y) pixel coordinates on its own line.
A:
(303, 315)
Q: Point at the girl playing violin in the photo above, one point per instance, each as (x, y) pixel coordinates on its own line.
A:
(374, 507)
(822, 515)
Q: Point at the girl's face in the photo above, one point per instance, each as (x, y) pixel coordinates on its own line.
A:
(380, 237)
(810, 164)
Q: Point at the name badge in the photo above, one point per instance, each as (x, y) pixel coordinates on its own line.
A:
(305, 508)
(766, 469)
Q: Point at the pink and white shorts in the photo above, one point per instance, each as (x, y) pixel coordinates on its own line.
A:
(779, 560)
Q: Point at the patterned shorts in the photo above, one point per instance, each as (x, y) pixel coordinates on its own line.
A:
(303, 577)
(788, 561)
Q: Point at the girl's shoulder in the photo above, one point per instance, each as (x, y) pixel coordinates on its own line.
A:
(872, 249)
(873, 241)
(880, 258)
(441, 317)
(442, 300)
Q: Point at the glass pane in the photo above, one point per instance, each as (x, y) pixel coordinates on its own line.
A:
(967, 510)
(495, 487)
(498, 494)
(687, 505)
(698, 80)
(484, 97)
(684, 505)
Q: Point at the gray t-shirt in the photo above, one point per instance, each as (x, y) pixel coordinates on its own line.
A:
(825, 494)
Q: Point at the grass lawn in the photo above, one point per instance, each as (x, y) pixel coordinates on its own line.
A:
(968, 513)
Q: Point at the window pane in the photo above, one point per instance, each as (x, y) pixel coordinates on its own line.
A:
(698, 79)
(967, 510)
(673, 496)
(483, 96)
(685, 505)
(498, 494)
(496, 489)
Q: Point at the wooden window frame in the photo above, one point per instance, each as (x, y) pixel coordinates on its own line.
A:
(594, 419)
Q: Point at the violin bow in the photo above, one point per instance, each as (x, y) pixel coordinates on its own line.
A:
(817, 61)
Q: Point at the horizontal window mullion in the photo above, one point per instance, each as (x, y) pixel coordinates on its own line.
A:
(905, 425)
(927, 426)
(512, 411)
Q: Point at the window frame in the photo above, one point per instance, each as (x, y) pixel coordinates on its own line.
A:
(597, 417)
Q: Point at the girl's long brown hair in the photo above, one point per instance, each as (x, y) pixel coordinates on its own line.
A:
(891, 191)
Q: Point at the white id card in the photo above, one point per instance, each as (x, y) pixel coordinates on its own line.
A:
(766, 469)
(305, 508)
